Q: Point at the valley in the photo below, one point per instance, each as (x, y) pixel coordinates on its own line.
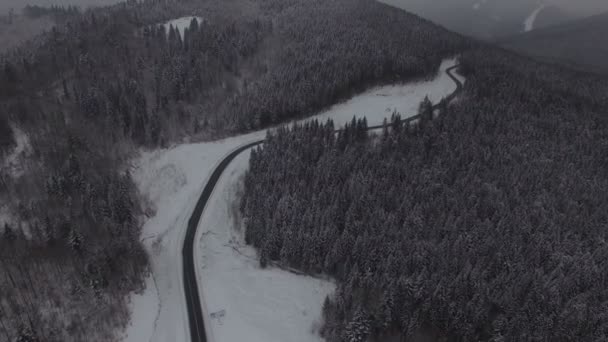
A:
(290, 170)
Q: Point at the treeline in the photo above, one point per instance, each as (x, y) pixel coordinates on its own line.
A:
(487, 223)
(57, 12)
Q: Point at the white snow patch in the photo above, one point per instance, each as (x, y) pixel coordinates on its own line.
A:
(13, 163)
(529, 23)
(147, 303)
(180, 24)
(172, 180)
(5, 217)
(244, 301)
(379, 103)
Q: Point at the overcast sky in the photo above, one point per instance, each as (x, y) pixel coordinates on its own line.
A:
(579, 7)
(585, 7)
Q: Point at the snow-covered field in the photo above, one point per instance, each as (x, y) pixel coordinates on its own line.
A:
(529, 23)
(13, 162)
(142, 325)
(379, 103)
(11, 166)
(180, 24)
(260, 305)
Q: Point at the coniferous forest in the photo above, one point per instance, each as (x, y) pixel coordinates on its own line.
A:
(108, 82)
(486, 223)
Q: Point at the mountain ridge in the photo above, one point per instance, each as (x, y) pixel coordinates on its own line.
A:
(577, 44)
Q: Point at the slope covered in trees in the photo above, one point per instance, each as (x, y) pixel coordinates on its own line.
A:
(487, 223)
(110, 81)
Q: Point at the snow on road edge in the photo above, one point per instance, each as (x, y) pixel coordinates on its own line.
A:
(245, 301)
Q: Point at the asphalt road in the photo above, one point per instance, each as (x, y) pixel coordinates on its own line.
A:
(195, 312)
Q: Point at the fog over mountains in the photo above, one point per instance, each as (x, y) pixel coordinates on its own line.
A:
(581, 7)
(579, 44)
(490, 19)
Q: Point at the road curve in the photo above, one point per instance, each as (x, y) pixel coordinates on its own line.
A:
(193, 302)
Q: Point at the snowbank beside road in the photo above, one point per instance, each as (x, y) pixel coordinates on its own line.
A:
(244, 301)
(141, 327)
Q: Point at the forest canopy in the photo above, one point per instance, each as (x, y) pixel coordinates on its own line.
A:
(487, 223)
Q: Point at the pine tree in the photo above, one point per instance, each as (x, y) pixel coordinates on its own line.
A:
(358, 329)
(263, 258)
(66, 92)
(9, 234)
(425, 109)
(26, 335)
(75, 241)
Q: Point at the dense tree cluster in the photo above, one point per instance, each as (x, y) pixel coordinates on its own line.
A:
(487, 223)
(331, 50)
(57, 12)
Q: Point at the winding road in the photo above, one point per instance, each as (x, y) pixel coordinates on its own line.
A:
(191, 290)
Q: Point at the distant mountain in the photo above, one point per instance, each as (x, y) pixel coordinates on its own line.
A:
(491, 19)
(552, 16)
(483, 19)
(580, 44)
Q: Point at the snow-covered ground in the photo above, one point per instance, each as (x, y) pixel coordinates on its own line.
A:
(380, 102)
(529, 23)
(181, 23)
(244, 301)
(260, 305)
(142, 325)
(12, 164)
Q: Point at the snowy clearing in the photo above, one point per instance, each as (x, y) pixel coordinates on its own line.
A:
(13, 162)
(180, 24)
(380, 102)
(244, 301)
(171, 180)
(12, 166)
(141, 326)
(529, 23)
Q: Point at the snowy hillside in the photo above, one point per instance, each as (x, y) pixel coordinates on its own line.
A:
(172, 179)
(11, 167)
